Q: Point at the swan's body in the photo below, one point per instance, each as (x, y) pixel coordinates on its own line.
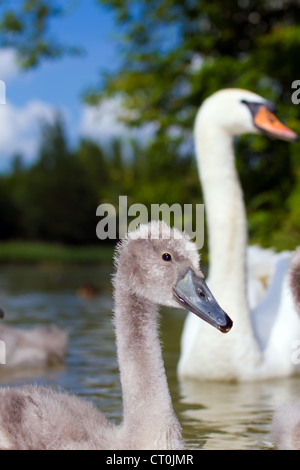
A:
(154, 266)
(35, 347)
(261, 265)
(261, 341)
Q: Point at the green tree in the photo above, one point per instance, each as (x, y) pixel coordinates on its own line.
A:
(176, 53)
(95, 167)
(9, 212)
(24, 25)
(61, 203)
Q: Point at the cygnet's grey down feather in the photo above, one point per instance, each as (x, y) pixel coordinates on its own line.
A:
(285, 429)
(155, 266)
(35, 347)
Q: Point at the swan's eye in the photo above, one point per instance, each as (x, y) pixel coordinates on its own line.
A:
(166, 256)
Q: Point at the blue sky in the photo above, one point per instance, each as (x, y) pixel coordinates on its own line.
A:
(59, 84)
(88, 25)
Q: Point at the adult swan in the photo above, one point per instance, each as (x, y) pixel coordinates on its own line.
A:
(261, 342)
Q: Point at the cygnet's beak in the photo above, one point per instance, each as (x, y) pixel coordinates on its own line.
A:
(192, 293)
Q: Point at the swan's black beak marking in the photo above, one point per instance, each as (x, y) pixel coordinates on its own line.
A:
(1, 313)
(192, 293)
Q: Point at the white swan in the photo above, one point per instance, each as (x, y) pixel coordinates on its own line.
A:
(260, 343)
(155, 265)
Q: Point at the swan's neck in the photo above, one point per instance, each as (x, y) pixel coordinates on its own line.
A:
(226, 219)
(147, 403)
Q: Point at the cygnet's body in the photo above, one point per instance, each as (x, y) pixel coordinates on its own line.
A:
(31, 348)
(155, 265)
(285, 430)
(286, 427)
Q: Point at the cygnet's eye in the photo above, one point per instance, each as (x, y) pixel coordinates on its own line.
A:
(166, 256)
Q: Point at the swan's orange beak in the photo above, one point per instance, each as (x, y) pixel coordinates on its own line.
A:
(268, 123)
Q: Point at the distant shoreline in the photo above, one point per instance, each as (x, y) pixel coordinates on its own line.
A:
(28, 252)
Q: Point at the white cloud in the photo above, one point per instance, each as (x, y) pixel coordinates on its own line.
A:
(20, 129)
(9, 68)
(20, 125)
(101, 123)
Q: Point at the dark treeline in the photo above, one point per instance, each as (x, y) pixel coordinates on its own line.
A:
(174, 55)
(56, 198)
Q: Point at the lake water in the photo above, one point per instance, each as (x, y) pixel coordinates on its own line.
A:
(212, 415)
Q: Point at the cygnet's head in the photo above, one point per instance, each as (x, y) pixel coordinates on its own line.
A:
(161, 264)
(239, 112)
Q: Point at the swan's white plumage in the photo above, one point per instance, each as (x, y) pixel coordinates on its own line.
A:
(260, 267)
(260, 344)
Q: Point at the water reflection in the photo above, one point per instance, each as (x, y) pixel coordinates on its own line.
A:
(233, 415)
(213, 415)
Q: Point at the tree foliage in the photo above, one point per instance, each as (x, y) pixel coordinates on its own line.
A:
(56, 198)
(24, 25)
(176, 53)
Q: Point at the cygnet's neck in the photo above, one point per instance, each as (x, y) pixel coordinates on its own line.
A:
(225, 216)
(147, 406)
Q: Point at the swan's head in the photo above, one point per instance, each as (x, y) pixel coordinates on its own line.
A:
(239, 112)
(161, 264)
